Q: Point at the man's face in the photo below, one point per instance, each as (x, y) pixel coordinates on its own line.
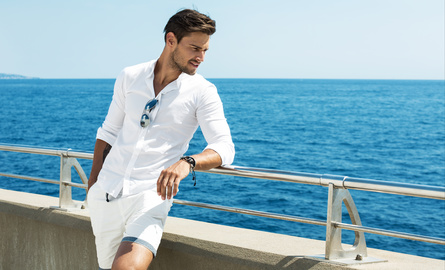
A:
(190, 52)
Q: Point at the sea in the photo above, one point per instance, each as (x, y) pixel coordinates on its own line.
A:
(390, 130)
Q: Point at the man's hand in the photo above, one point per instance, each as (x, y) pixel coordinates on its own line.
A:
(91, 182)
(168, 181)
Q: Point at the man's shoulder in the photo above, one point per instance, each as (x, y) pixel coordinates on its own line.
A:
(197, 79)
(141, 68)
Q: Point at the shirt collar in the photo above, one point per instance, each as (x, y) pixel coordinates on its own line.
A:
(174, 85)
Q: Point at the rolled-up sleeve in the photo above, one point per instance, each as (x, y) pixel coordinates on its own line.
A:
(114, 120)
(216, 131)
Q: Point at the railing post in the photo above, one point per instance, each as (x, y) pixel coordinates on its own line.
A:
(65, 195)
(334, 249)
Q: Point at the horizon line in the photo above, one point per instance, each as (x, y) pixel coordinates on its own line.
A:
(235, 78)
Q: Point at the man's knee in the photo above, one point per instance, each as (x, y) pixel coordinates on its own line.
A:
(132, 256)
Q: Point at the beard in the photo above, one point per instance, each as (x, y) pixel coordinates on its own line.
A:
(176, 63)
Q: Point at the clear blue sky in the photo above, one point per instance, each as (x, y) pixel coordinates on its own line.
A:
(355, 39)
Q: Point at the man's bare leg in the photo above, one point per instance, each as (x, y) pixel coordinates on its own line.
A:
(131, 255)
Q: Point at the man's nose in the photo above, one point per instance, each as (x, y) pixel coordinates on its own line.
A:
(201, 56)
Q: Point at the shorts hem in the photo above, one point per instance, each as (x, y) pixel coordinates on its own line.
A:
(140, 242)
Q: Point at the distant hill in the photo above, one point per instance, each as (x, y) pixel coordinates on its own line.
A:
(14, 76)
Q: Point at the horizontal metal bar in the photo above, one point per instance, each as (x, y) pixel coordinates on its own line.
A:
(251, 212)
(82, 155)
(414, 190)
(434, 240)
(345, 182)
(284, 176)
(78, 185)
(46, 151)
(38, 179)
(340, 225)
(30, 178)
(424, 191)
(30, 150)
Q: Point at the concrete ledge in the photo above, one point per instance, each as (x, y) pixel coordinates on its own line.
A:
(34, 236)
(223, 246)
(196, 245)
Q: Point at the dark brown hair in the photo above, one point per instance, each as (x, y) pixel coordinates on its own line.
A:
(188, 21)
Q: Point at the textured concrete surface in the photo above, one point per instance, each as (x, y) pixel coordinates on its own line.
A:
(34, 236)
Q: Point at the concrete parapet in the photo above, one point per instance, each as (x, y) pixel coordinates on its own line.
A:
(35, 236)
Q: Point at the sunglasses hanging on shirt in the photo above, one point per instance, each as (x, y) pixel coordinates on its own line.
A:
(145, 119)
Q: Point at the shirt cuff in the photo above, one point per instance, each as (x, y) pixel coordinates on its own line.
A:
(105, 136)
(226, 151)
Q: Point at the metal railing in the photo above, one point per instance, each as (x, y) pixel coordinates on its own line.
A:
(338, 195)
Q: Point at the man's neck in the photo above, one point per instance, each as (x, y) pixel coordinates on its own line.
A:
(163, 74)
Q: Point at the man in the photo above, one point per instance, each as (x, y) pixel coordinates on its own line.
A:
(138, 157)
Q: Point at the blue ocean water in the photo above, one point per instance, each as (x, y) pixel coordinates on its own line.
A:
(380, 129)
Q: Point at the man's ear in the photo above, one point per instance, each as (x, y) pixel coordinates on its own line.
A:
(171, 40)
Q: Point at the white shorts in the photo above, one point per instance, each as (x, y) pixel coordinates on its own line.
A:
(138, 218)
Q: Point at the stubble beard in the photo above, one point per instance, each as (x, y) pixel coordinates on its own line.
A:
(175, 63)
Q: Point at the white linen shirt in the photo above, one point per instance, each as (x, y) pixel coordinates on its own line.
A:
(138, 155)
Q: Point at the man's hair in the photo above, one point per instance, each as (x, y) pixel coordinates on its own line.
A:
(188, 21)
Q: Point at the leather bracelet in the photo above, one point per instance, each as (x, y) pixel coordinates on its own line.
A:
(192, 163)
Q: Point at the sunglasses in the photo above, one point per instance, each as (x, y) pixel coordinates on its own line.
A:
(145, 119)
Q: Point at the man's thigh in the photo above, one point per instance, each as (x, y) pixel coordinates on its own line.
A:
(108, 225)
(145, 223)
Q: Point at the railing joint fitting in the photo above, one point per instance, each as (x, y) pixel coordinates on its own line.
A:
(343, 182)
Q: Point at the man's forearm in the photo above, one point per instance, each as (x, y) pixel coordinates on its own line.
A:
(101, 150)
(207, 160)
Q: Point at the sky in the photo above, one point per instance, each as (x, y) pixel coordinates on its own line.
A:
(317, 39)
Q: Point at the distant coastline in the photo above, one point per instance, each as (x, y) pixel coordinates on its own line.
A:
(15, 76)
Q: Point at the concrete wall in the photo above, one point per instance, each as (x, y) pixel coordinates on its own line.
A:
(35, 236)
